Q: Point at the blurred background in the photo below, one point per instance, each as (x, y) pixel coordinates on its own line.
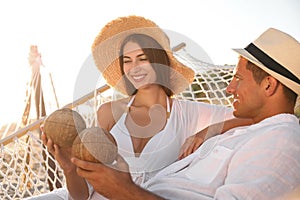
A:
(63, 31)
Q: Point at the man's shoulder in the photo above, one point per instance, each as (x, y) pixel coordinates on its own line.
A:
(280, 129)
(281, 121)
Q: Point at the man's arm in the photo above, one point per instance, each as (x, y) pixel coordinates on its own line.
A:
(113, 182)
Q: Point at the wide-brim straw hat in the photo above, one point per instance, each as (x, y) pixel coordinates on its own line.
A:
(278, 54)
(106, 47)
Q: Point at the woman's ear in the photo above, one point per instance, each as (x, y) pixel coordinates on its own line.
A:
(270, 85)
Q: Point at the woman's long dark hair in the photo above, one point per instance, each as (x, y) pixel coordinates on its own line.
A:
(158, 59)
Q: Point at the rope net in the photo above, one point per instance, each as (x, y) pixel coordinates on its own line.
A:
(27, 169)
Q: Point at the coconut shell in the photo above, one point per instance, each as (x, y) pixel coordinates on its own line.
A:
(63, 125)
(95, 145)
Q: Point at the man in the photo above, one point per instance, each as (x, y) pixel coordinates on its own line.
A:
(261, 161)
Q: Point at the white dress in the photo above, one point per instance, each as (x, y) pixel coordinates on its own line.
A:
(186, 119)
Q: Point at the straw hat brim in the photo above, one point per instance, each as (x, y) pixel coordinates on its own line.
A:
(106, 46)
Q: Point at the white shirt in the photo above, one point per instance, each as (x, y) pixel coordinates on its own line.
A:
(261, 161)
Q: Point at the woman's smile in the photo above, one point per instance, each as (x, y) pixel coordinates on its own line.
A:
(139, 78)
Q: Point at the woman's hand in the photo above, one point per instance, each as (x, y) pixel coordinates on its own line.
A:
(62, 155)
(191, 144)
(194, 142)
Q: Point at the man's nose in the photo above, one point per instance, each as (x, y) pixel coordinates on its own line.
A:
(230, 88)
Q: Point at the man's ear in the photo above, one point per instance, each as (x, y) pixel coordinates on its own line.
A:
(270, 85)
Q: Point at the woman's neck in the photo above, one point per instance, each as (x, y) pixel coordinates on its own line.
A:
(150, 96)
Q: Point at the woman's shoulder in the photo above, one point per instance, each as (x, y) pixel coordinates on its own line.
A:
(109, 112)
(110, 106)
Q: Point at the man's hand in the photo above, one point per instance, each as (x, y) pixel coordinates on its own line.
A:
(112, 181)
(106, 180)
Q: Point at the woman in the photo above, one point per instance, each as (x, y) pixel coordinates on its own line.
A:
(149, 126)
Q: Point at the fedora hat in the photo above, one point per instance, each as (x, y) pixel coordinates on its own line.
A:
(107, 44)
(278, 54)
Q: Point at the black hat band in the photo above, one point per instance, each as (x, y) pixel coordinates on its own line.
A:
(270, 62)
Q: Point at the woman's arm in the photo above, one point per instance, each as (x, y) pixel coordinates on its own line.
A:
(193, 142)
(76, 185)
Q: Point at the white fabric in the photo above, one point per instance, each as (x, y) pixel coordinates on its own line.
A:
(57, 194)
(186, 119)
(261, 161)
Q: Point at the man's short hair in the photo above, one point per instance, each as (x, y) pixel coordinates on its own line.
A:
(259, 75)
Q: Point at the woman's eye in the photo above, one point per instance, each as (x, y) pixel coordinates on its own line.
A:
(143, 58)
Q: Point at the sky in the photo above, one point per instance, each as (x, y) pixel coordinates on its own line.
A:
(64, 30)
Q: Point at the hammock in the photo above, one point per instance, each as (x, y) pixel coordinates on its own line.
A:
(28, 169)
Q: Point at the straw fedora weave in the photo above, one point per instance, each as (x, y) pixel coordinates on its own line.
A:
(278, 54)
(106, 46)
